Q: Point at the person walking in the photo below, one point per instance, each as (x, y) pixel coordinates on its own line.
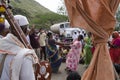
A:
(34, 41)
(18, 63)
(53, 55)
(73, 56)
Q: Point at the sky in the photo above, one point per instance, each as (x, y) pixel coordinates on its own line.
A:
(50, 4)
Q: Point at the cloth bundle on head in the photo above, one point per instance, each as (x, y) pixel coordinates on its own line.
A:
(21, 20)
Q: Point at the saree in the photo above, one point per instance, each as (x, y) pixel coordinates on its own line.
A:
(115, 52)
(88, 50)
(97, 17)
(73, 56)
(53, 55)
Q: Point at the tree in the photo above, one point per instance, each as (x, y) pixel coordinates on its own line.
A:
(62, 9)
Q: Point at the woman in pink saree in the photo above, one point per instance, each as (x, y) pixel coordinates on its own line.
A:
(73, 56)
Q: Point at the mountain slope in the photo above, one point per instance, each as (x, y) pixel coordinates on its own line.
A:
(36, 13)
(30, 6)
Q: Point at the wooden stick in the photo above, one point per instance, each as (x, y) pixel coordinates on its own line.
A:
(9, 16)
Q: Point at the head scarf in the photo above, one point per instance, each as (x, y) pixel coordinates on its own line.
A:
(116, 34)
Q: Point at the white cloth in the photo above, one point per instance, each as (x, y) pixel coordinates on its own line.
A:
(1, 36)
(21, 20)
(18, 62)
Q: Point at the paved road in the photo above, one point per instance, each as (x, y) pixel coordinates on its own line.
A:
(61, 75)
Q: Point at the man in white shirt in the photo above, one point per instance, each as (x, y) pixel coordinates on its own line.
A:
(18, 63)
(42, 42)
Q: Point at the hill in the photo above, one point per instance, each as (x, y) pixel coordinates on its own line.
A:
(36, 13)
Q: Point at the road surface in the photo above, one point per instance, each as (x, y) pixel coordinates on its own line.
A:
(61, 75)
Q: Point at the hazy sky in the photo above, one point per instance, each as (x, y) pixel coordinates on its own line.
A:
(50, 4)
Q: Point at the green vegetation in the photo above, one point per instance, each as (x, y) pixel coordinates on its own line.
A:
(48, 19)
(41, 16)
(36, 13)
(118, 16)
(117, 28)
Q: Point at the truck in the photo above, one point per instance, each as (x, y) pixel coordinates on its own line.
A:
(66, 30)
(56, 28)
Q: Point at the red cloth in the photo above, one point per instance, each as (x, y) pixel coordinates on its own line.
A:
(93, 48)
(115, 52)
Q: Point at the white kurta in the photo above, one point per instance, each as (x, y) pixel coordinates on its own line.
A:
(26, 72)
(17, 65)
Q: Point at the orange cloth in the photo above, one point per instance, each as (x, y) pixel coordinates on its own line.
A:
(96, 16)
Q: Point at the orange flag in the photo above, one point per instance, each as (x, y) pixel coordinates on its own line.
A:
(98, 17)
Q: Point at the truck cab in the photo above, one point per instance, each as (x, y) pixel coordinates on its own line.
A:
(65, 31)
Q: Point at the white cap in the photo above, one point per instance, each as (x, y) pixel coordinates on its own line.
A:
(22, 20)
(7, 25)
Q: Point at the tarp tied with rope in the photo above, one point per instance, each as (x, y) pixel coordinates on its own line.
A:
(98, 17)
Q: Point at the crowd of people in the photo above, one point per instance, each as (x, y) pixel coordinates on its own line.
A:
(45, 45)
(52, 48)
(17, 60)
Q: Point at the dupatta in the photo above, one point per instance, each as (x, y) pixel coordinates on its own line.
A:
(97, 17)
